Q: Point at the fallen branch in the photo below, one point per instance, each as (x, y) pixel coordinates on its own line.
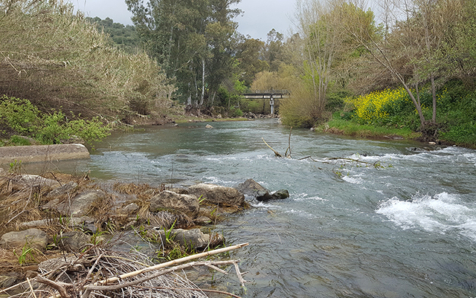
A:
(171, 263)
(275, 152)
(58, 286)
(162, 272)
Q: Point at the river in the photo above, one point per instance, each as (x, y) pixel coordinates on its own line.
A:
(348, 230)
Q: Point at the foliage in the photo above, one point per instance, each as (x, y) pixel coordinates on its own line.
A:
(26, 255)
(124, 37)
(21, 116)
(193, 40)
(56, 58)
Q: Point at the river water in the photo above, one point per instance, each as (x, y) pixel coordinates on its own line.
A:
(348, 230)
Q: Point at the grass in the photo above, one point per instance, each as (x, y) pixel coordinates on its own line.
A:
(351, 128)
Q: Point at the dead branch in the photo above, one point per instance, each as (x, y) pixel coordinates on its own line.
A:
(162, 272)
(174, 262)
(58, 286)
(275, 152)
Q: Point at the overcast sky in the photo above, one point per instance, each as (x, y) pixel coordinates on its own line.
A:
(258, 18)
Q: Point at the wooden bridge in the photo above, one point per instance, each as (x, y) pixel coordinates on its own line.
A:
(271, 94)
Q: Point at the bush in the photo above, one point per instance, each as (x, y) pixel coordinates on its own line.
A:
(22, 117)
(235, 113)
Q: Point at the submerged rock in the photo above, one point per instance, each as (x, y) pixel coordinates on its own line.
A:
(215, 194)
(251, 188)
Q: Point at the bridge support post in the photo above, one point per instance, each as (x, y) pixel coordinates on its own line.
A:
(271, 103)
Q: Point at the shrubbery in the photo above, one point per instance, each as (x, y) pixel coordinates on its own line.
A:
(21, 117)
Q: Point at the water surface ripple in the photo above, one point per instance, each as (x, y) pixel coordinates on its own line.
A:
(408, 230)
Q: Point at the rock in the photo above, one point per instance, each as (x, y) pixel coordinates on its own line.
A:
(187, 204)
(74, 241)
(3, 172)
(51, 264)
(193, 238)
(251, 188)
(312, 129)
(8, 279)
(63, 190)
(219, 116)
(208, 126)
(215, 194)
(131, 209)
(280, 194)
(432, 143)
(33, 237)
(264, 196)
(202, 221)
(35, 181)
(180, 191)
(79, 204)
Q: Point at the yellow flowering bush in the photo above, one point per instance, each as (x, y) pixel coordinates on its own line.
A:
(379, 104)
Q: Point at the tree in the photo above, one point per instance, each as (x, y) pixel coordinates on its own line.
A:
(249, 55)
(192, 39)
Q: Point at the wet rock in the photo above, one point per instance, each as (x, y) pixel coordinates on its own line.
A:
(187, 204)
(74, 241)
(33, 237)
(79, 204)
(63, 190)
(280, 194)
(215, 194)
(251, 188)
(208, 126)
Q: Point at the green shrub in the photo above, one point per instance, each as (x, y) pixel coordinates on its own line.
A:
(19, 141)
(236, 113)
(22, 117)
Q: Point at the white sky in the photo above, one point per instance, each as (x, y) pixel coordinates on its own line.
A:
(259, 17)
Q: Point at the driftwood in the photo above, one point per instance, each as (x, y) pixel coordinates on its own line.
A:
(126, 275)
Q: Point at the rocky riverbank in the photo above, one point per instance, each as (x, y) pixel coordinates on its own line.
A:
(46, 217)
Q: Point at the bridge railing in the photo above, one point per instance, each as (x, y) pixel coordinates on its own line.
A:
(277, 91)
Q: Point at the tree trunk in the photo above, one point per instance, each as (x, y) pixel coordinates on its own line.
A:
(203, 82)
(433, 92)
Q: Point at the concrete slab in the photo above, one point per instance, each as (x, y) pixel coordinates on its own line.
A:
(27, 154)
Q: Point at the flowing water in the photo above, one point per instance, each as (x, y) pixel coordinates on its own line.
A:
(348, 230)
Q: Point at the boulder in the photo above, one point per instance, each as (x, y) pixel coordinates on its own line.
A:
(74, 241)
(280, 194)
(63, 190)
(193, 238)
(132, 208)
(79, 204)
(208, 126)
(33, 237)
(215, 194)
(251, 188)
(187, 204)
(34, 181)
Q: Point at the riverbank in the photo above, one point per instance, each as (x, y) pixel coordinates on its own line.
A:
(73, 214)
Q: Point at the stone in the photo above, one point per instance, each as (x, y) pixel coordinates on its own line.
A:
(280, 194)
(35, 238)
(51, 264)
(180, 191)
(202, 221)
(8, 279)
(187, 204)
(215, 194)
(3, 172)
(35, 181)
(67, 188)
(131, 209)
(432, 143)
(251, 188)
(208, 126)
(193, 238)
(74, 241)
(312, 129)
(79, 204)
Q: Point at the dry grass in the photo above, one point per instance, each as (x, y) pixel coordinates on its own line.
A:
(55, 58)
